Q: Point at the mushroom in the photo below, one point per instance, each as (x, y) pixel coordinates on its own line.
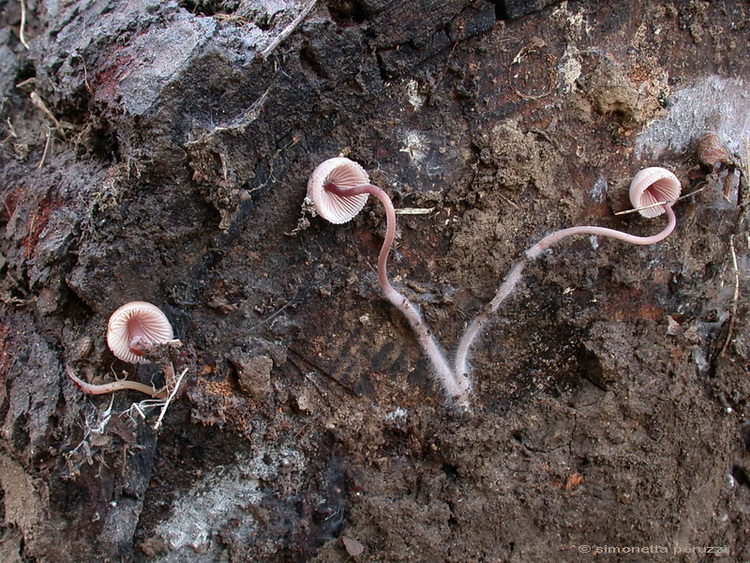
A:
(133, 329)
(339, 188)
(339, 173)
(654, 188)
(652, 192)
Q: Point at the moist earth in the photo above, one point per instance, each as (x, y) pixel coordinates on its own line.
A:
(159, 151)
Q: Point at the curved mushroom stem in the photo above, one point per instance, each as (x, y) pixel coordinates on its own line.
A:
(115, 386)
(549, 240)
(514, 276)
(457, 388)
(472, 330)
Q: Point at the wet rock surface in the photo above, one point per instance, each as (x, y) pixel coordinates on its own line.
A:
(159, 151)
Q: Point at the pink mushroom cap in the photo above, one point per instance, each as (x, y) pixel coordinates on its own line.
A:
(344, 173)
(134, 326)
(654, 185)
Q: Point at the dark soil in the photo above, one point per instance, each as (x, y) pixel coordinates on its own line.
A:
(159, 151)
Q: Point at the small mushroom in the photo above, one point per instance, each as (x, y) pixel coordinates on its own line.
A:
(339, 188)
(344, 174)
(652, 186)
(655, 187)
(132, 330)
(135, 327)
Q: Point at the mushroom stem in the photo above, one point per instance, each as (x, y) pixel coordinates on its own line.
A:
(514, 276)
(472, 330)
(115, 386)
(138, 344)
(456, 387)
(549, 240)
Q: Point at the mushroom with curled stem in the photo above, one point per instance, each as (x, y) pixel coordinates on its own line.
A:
(339, 188)
(649, 188)
(134, 329)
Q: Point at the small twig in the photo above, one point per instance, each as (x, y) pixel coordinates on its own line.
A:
(27, 82)
(271, 173)
(22, 29)
(288, 30)
(273, 315)
(318, 369)
(658, 203)
(637, 209)
(47, 144)
(508, 201)
(86, 83)
(11, 132)
(242, 20)
(735, 298)
(40, 105)
(244, 119)
(461, 28)
(415, 210)
(172, 394)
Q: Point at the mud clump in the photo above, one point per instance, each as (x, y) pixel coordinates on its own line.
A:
(612, 93)
(520, 159)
